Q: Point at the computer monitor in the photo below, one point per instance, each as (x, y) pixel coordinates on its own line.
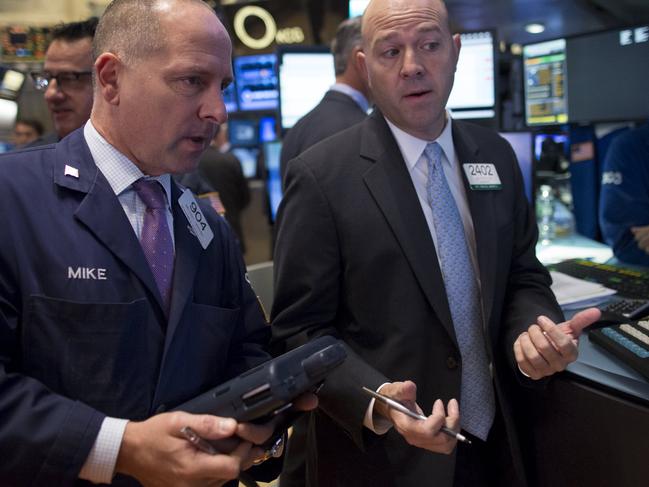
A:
(521, 143)
(248, 158)
(11, 81)
(549, 151)
(256, 82)
(267, 129)
(590, 78)
(305, 75)
(230, 98)
(546, 96)
(272, 152)
(243, 132)
(357, 7)
(474, 90)
(608, 75)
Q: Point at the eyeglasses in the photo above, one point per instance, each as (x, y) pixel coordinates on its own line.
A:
(65, 79)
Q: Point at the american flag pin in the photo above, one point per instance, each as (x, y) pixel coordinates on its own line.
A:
(71, 171)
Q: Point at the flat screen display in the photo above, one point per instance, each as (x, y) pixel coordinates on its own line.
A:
(248, 159)
(243, 133)
(474, 89)
(546, 94)
(304, 78)
(357, 7)
(608, 76)
(256, 82)
(272, 152)
(521, 142)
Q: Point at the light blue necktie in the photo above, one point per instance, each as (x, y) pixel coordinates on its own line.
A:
(477, 403)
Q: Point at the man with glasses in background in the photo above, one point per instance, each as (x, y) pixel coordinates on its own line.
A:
(66, 79)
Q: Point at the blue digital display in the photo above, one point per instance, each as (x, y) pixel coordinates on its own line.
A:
(272, 151)
(256, 82)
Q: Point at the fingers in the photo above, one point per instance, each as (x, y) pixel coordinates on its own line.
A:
(306, 402)
(205, 425)
(453, 418)
(255, 433)
(426, 433)
(404, 392)
(581, 320)
(547, 348)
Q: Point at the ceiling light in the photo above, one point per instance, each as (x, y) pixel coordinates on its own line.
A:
(535, 27)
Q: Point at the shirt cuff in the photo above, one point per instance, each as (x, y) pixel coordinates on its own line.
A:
(375, 422)
(100, 464)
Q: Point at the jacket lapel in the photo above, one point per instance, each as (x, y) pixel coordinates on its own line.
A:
(391, 187)
(188, 253)
(100, 210)
(481, 208)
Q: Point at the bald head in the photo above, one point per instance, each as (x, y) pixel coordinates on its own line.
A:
(379, 13)
(132, 28)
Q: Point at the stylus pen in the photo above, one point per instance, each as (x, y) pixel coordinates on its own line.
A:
(201, 443)
(401, 408)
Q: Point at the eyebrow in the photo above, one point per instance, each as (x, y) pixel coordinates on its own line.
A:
(420, 30)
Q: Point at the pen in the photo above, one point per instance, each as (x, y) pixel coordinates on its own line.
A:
(200, 443)
(401, 408)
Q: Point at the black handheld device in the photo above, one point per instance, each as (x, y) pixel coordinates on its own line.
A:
(266, 391)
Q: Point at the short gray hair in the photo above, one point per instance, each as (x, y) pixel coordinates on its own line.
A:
(131, 29)
(348, 37)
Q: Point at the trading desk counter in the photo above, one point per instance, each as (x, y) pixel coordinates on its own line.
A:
(590, 426)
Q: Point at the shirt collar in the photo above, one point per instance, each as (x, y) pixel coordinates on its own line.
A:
(353, 93)
(118, 169)
(413, 147)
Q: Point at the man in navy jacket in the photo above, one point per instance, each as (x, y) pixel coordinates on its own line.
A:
(91, 353)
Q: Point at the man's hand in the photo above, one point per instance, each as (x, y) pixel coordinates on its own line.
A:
(422, 434)
(546, 348)
(155, 453)
(641, 235)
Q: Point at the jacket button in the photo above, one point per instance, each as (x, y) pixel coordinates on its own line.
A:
(161, 409)
(451, 363)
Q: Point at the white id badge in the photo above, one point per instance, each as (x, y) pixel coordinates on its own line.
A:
(196, 219)
(482, 177)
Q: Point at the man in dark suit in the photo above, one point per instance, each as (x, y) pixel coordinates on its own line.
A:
(220, 171)
(345, 104)
(409, 236)
(115, 304)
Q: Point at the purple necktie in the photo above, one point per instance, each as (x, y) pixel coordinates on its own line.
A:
(156, 238)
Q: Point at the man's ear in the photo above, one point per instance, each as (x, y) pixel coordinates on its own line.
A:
(108, 68)
(360, 64)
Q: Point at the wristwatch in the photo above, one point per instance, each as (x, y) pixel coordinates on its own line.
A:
(275, 451)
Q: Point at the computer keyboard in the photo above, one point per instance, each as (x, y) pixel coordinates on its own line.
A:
(628, 341)
(629, 283)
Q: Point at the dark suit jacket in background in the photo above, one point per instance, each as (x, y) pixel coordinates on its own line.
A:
(355, 259)
(335, 112)
(75, 349)
(221, 172)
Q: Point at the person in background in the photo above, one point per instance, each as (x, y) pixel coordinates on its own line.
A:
(624, 198)
(220, 171)
(66, 79)
(26, 131)
(114, 308)
(388, 240)
(345, 104)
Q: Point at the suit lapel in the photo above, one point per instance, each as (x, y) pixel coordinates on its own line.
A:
(391, 187)
(481, 208)
(188, 253)
(100, 210)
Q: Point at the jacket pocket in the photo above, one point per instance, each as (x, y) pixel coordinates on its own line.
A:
(91, 352)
